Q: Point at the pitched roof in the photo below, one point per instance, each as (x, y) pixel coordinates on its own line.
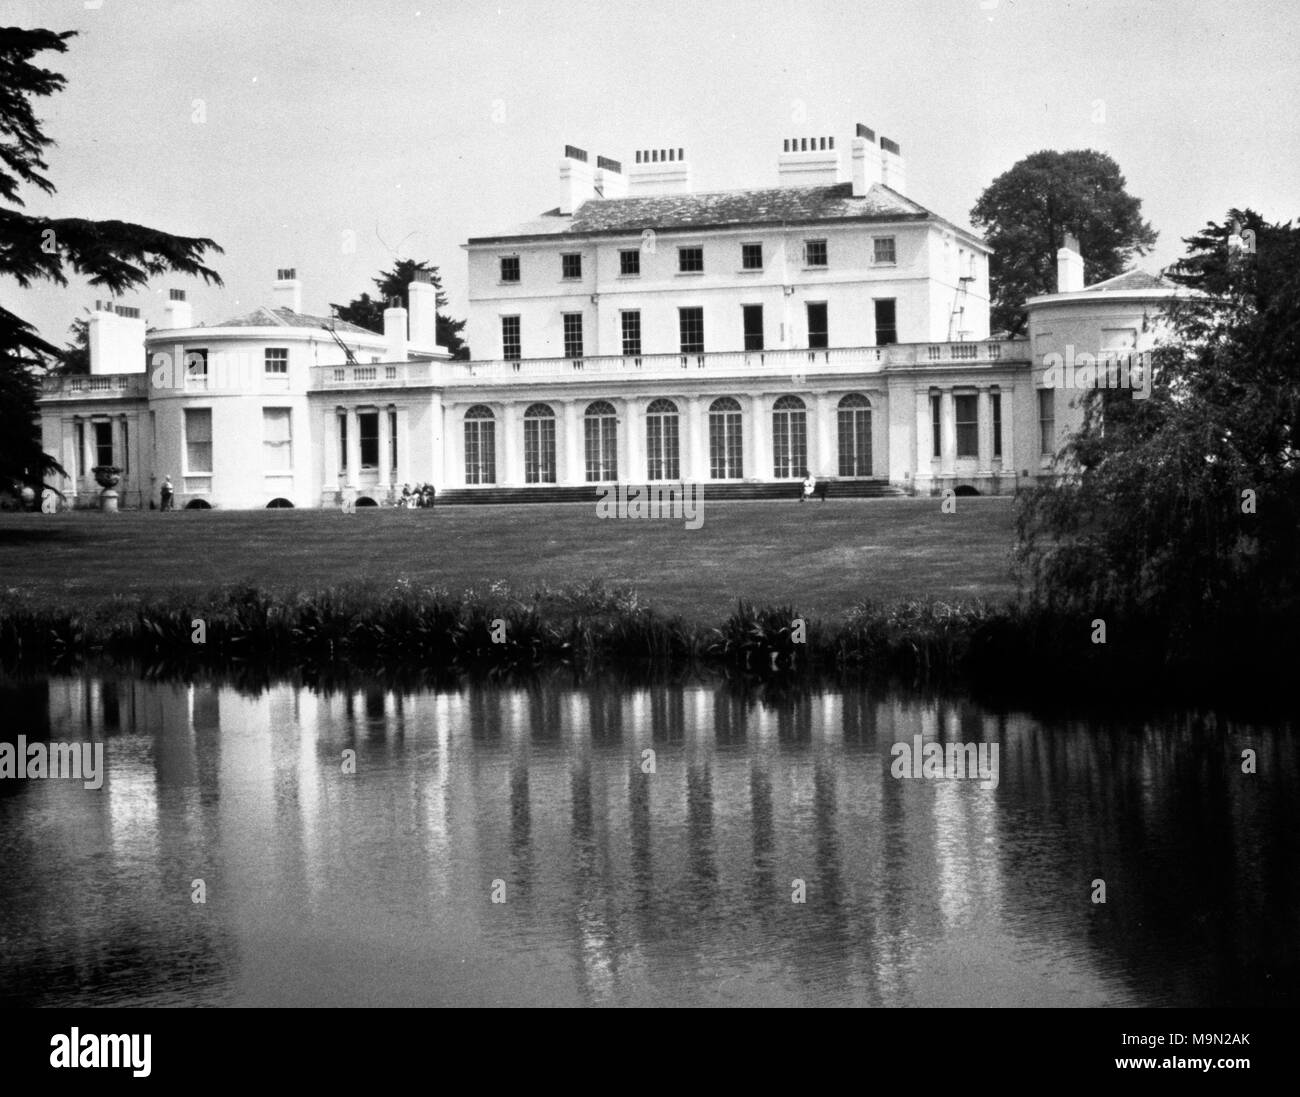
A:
(263, 317)
(1132, 280)
(719, 209)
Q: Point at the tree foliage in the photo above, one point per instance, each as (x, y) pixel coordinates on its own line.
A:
(1184, 509)
(1026, 212)
(117, 255)
(368, 312)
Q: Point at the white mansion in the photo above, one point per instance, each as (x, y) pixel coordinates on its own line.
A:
(638, 332)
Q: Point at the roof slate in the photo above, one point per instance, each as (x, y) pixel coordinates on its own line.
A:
(717, 209)
(1132, 280)
(263, 317)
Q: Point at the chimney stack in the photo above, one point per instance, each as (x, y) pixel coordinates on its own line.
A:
(659, 171)
(864, 161)
(891, 166)
(286, 290)
(423, 297)
(115, 339)
(577, 181)
(1069, 266)
(180, 314)
(395, 330)
(609, 180)
(808, 162)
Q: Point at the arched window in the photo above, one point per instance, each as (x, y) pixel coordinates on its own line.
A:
(789, 437)
(539, 444)
(726, 443)
(662, 456)
(600, 427)
(480, 445)
(855, 435)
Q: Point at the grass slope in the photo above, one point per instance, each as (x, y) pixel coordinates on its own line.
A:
(820, 558)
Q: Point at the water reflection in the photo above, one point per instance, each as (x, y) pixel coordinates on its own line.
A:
(647, 843)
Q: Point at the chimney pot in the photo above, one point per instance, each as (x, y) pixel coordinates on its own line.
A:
(808, 162)
(1069, 266)
(287, 290)
(891, 165)
(395, 330)
(657, 171)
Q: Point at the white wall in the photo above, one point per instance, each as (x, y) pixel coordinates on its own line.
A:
(238, 389)
(923, 290)
(1090, 323)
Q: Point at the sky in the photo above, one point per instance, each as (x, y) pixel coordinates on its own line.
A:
(335, 136)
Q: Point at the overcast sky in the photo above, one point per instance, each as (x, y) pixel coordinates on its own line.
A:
(289, 131)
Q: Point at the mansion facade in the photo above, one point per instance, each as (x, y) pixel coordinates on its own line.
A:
(637, 332)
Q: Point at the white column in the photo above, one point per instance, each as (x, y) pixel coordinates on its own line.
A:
(924, 454)
(985, 412)
(354, 448)
(510, 468)
(453, 470)
(695, 440)
(330, 443)
(573, 470)
(1009, 430)
(404, 473)
(385, 469)
(119, 456)
(87, 448)
(631, 458)
(947, 432)
(827, 440)
(758, 438)
(68, 453)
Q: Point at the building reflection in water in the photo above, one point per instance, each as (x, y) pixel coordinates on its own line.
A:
(649, 840)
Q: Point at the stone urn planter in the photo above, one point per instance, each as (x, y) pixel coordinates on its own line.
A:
(107, 477)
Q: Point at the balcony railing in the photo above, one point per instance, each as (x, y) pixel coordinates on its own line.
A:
(381, 375)
(796, 361)
(94, 386)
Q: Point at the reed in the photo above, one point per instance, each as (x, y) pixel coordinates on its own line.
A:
(407, 627)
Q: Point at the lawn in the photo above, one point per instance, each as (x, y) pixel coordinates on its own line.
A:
(819, 558)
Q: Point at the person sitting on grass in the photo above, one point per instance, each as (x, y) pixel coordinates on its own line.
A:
(405, 500)
(809, 486)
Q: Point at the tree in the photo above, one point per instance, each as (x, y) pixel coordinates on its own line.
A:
(1025, 213)
(368, 312)
(1182, 511)
(74, 358)
(114, 254)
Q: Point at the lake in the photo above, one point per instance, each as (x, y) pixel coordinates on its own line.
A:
(609, 842)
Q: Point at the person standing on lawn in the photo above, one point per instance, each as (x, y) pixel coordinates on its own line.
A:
(809, 486)
(165, 494)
